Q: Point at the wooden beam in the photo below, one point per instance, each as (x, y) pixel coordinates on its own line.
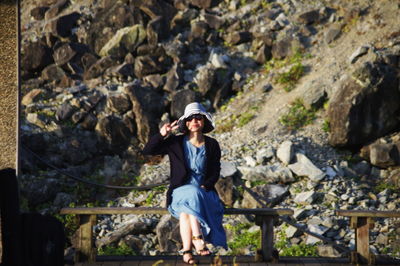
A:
(151, 210)
(376, 214)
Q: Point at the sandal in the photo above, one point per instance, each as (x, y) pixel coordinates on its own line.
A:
(191, 260)
(204, 250)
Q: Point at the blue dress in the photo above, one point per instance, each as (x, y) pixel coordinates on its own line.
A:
(192, 199)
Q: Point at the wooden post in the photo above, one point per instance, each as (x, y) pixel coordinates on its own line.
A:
(362, 239)
(85, 251)
(267, 236)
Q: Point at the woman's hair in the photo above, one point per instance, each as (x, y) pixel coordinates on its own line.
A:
(184, 130)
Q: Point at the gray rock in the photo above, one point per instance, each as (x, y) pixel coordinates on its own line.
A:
(147, 114)
(318, 229)
(300, 214)
(228, 169)
(224, 187)
(327, 251)
(314, 97)
(125, 40)
(285, 152)
(270, 173)
(36, 56)
(62, 26)
(332, 33)
(174, 79)
(304, 167)
(362, 50)
(32, 96)
(269, 195)
(250, 161)
(62, 200)
(382, 154)
(264, 154)
(180, 99)
(305, 197)
(114, 132)
(309, 17)
(157, 30)
(119, 103)
(292, 231)
(166, 234)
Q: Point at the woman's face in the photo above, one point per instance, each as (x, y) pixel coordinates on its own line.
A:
(195, 123)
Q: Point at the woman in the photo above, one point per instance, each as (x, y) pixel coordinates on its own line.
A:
(195, 168)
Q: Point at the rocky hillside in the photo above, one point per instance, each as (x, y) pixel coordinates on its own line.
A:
(305, 94)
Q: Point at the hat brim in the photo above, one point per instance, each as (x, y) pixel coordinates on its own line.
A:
(208, 123)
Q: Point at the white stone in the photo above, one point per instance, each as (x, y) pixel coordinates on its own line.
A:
(250, 161)
(227, 169)
(304, 167)
(305, 197)
(285, 152)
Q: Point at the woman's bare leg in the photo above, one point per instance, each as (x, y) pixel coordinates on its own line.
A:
(186, 231)
(186, 235)
(199, 244)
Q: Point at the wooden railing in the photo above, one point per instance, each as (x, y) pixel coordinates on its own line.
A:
(361, 222)
(86, 251)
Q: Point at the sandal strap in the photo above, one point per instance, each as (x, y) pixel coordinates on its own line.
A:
(183, 252)
(199, 237)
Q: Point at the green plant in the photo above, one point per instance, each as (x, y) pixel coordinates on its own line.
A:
(288, 249)
(242, 238)
(264, 4)
(258, 182)
(297, 116)
(326, 126)
(122, 249)
(244, 119)
(69, 221)
(382, 186)
(290, 78)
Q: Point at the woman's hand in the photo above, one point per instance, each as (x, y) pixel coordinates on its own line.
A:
(167, 128)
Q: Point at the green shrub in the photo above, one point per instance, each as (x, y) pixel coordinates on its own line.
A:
(69, 221)
(298, 116)
(245, 118)
(298, 250)
(243, 238)
(122, 249)
(326, 126)
(290, 78)
(382, 186)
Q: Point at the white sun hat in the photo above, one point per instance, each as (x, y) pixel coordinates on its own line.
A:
(197, 108)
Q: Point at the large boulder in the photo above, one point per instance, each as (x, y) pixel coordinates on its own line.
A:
(125, 40)
(113, 131)
(35, 56)
(147, 107)
(98, 68)
(168, 234)
(157, 30)
(155, 8)
(151, 64)
(224, 187)
(180, 99)
(62, 26)
(384, 152)
(269, 195)
(109, 20)
(68, 52)
(365, 107)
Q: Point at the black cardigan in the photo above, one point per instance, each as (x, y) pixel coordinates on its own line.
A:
(173, 146)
